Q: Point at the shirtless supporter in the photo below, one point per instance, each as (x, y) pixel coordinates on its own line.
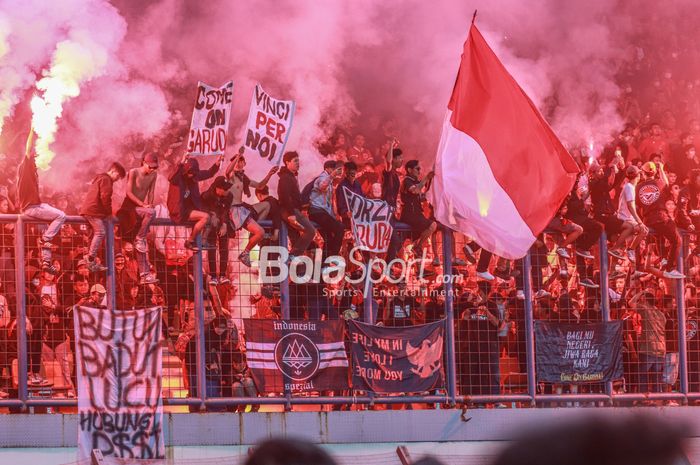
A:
(138, 211)
(244, 215)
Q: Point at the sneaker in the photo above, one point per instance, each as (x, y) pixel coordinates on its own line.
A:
(589, 284)
(585, 254)
(673, 274)
(48, 268)
(71, 394)
(520, 295)
(44, 244)
(502, 273)
(192, 245)
(213, 280)
(563, 253)
(663, 263)
(485, 275)
(436, 261)
(3, 394)
(541, 294)
(148, 278)
(458, 262)
(630, 256)
(93, 266)
(617, 253)
(223, 280)
(469, 253)
(244, 257)
(140, 244)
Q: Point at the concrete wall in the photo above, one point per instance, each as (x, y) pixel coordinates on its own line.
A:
(183, 429)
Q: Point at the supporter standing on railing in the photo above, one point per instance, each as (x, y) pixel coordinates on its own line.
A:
(391, 186)
(97, 208)
(412, 189)
(138, 210)
(321, 208)
(290, 201)
(627, 212)
(651, 197)
(184, 200)
(217, 202)
(244, 215)
(31, 205)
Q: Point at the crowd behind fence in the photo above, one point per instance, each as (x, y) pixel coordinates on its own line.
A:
(487, 362)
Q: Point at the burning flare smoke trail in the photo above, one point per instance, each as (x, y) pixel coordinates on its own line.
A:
(75, 61)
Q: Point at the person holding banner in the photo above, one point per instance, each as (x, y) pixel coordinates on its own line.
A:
(184, 200)
(321, 208)
(244, 215)
(97, 207)
(353, 185)
(290, 201)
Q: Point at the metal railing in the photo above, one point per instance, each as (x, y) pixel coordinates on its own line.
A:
(531, 394)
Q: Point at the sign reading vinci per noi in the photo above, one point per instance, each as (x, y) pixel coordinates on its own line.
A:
(296, 355)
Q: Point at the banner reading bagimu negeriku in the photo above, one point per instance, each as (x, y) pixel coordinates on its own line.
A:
(210, 118)
(578, 353)
(119, 361)
(395, 360)
(371, 226)
(296, 356)
(269, 125)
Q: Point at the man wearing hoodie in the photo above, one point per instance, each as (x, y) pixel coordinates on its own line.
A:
(290, 202)
(184, 200)
(97, 207)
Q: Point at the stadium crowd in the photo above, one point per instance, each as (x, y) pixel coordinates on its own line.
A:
(642, 190)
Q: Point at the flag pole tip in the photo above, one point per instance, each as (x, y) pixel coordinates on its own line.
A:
(474, 17)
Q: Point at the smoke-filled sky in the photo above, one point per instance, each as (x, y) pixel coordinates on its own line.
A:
(371, 66)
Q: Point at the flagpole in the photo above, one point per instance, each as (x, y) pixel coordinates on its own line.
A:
(474, 17)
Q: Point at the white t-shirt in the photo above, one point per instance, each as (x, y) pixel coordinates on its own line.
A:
(627, 195)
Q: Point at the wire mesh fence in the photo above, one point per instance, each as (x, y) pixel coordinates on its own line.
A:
(490, 304)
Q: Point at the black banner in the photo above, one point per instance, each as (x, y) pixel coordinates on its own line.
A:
(296, 355)
(394, 360)
(578, 353)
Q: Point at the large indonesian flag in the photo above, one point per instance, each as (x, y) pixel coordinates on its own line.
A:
(500, 173)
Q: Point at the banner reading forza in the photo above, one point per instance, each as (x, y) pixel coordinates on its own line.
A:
(371, 225)
(296, 355)
(391, 360)
(119, 382)
(578, 353)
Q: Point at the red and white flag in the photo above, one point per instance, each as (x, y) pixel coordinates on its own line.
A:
(501, 173)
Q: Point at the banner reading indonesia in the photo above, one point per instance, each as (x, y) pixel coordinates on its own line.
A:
(371, 226)
(210, 118)
(395, 360)
(269, 125)
(120, 403)
(296, 355)
(578, 353)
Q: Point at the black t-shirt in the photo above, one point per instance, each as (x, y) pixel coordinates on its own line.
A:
(651, 200)
(411, 202)
(390, 187)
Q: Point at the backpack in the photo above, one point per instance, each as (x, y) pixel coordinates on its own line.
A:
(306, 192)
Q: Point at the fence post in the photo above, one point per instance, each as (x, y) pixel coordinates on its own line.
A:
(198, 274)
(449, 315)
(109, 262)
(284, 285)
(21, 327)
(529, 327)
(604, 294)
(367, 293)
(680, 306)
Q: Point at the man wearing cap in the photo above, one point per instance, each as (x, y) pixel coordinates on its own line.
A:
(217, 202)
(184, 199)
(137, 209)
(31, 205)
(652, 194)
(97, 296)
(632, 224)
(97, 207)
(244, 215)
